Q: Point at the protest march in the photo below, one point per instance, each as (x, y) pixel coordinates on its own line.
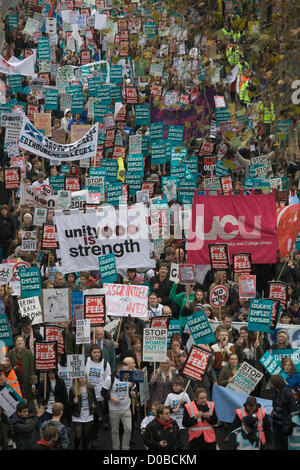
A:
(149, 225)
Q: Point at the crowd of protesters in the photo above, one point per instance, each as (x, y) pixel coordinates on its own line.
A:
(73, 415)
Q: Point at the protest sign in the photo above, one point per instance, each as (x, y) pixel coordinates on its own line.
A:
(271, 365)
(16, 267)
(45, 356)
(39, 216)
(5, 333)
(31, 307)
(278, 291)
(155, 344)
(107, 268)
(29, 241)
(42, 121)
(245, 379)
(242, 263)
(261, 315)
(12, 178)
(144, 388)
(218, 296)
(174, 272)
(76, 366)
(257, 212)
(187, 274)
(293, 354)
(48, 237)
(219, 258)
(83, 332)
(196, 363)
(247, 286)
(56, 305)
(200, 328)
(9, 400)
(136, 376)
(55, 333)
(5, 273)
(30, 280)
(94, 309)
(159, 322)
(124, 300)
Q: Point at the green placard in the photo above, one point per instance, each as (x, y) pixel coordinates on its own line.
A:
(78, 102)
(51, 99)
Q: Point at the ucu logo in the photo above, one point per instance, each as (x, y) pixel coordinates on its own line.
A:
(233, 225)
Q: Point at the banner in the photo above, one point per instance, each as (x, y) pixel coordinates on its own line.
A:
(123, 300)
(31, 307)
(227, 401)
(200, 328)
(144, 388)
(155, 344)
(15, 66)
(94, 309)
(45, 356)
(34, 141)
(55, 333)
(242, 221)
(196, 363)
(246, 379)
(84, 237)
(30, 197)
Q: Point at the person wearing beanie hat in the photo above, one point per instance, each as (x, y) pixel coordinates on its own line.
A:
(27, 222)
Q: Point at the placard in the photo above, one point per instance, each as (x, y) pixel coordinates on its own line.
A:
(136, 376)
(76, 366)
(123, 300)
(9, 400)
(155, 344)
(242, 263)
(218, 296)
(187, 274)
(197, 363)
(200, 328)
(159, 322)
(278, 291)
(5, 273)
(263, 315)
(108, 269)
(31, 307)
(247, 286)
(83, 332)
(245, 379)
(219, 257)
(48, 237)
(174, 272)
(30, 280)
(45, 356)
(29, 241)
(55, 333)
(12, 178)
(5, 333)
(56, 305)
(94, 309)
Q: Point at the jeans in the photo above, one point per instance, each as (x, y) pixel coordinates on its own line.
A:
(116, 417)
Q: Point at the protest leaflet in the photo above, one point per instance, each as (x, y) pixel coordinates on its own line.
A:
(197, 363)
(155, 344)
(45, 356)
(200, 328)
(123, 300)
(246, 379)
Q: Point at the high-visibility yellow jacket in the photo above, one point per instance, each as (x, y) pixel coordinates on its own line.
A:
(267, 112)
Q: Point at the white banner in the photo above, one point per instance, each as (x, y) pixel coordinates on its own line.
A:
(33, 141)
(15, 66)
(84, 237)
(122, 300)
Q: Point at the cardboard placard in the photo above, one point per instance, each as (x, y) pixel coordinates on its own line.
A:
(94, 309)
(45, 356)
(197, 363)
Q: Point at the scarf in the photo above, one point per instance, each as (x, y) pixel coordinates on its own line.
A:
(166, 424)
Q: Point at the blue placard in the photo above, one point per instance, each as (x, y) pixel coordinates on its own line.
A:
(5, 333)
(76, 299)
(132, 376)
(200, 328)
(271, 365)
(174, 327)
(260, 315)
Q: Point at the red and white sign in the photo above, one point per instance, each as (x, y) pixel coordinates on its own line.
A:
(241, 263)
(45, 356)
(130, 94)
(226, 183)
(196, 363)
(48, 237)
(12, 178)
(72, 183)
(241, 221)
(218, 296)
(159, 322)
(207, 148)
(278, 291)
(16, 268)
(219, 258)
(94, 309)
(187, 274)
(110, 138)
(123, 300)
(46, 190)
(288, 227)
(55, 333)
(247, 286)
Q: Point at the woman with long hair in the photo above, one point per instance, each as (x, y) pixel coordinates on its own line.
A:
(198, 302)
(160, 383)
(293, 376)
(83, 405)
(176, 348)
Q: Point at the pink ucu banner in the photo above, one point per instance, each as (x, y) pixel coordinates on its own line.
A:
(247, 223)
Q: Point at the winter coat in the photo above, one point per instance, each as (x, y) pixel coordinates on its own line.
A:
(27, 363)
(156, 432)
(7, 229)
(26, 432)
